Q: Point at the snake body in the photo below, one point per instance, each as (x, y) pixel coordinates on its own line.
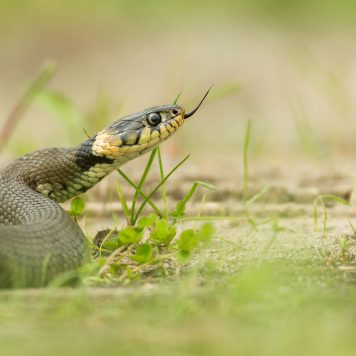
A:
(38, 239)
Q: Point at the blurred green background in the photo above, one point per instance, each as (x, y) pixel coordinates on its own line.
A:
(288, 65)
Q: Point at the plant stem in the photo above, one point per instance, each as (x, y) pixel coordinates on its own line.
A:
(140, 184)
(164, 193)
(246, 146)
(45, 75)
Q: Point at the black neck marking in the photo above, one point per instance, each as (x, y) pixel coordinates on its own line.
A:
(84, 157)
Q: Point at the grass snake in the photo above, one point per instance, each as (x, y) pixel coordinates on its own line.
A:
(38, 239)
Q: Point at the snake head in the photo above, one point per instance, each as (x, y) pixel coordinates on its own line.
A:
(138, 133)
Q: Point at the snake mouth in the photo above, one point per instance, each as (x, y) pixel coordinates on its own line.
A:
(198, 106)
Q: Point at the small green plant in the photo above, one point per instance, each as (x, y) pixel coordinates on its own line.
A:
(77, 207)
(247, 200)
(148, 242)
(153, 243)
(321, 201)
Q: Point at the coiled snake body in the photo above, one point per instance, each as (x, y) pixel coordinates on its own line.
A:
(38, 240)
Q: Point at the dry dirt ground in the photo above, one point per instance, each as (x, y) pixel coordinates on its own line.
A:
(281, 223)
(271, 282)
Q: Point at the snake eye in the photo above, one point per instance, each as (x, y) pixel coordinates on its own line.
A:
(154, 119)
(175, 112)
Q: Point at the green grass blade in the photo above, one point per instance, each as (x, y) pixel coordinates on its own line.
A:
(334, 198)
(245, 164)
(177, 98)
(65, 111)
(257, 196)
(140, 184)
(143, 195)
(158, 186)
(161, 171)
(179, 212)
(123, 202)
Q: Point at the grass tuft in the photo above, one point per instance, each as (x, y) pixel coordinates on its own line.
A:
(148, 242)
(321, 200)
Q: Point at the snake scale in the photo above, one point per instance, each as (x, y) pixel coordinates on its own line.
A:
(38, 239)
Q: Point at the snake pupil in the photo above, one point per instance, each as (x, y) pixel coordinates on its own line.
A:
(154, 119)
